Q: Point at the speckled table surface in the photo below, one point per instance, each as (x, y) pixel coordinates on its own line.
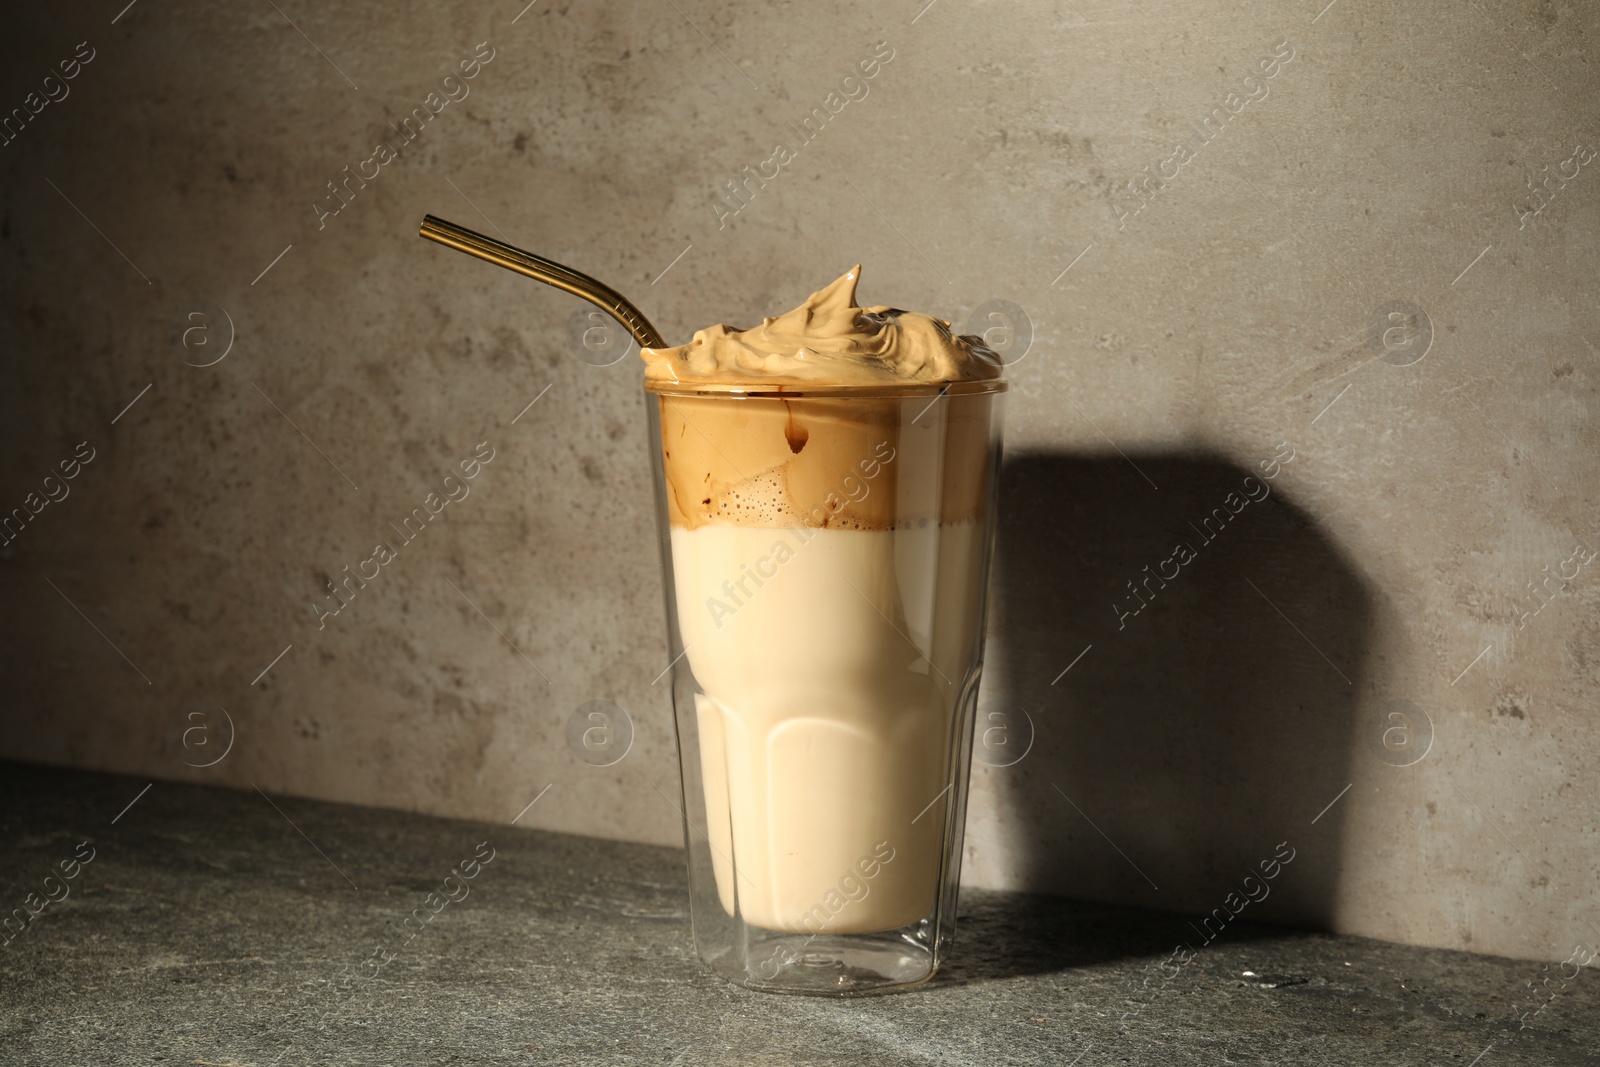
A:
(210, 926)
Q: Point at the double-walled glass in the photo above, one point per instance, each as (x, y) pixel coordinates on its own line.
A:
(826, 554)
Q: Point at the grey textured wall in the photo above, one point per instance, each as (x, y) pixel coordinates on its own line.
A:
(1358, 234)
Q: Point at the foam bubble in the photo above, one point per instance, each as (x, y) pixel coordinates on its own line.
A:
(760, 501)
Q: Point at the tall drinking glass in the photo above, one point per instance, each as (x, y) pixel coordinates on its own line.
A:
(826, 552)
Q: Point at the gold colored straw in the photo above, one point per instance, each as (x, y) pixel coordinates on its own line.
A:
(547, 271)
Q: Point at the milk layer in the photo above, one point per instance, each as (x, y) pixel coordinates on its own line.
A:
(830, 662)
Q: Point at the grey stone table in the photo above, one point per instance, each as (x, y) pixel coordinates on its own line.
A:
(213, 926)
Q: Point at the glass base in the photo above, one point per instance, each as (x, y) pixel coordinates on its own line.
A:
(829, 965)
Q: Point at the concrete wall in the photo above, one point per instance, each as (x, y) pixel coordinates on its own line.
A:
(1339, 262)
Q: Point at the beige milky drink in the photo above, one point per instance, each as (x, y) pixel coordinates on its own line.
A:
(827, 480)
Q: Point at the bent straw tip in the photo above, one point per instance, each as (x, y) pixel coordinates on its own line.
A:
(565, 278)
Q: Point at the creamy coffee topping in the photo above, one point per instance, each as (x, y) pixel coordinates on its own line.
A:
(828, 340)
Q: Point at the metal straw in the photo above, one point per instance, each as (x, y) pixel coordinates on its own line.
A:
(551, 273)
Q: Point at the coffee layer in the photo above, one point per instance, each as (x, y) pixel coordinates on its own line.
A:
(829, 462)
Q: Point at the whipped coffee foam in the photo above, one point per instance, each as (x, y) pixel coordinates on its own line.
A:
(828, 340)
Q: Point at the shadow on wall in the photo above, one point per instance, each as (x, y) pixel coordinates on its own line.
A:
(1210, 718)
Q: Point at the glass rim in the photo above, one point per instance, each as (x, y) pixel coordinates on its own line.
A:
(797, 390)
